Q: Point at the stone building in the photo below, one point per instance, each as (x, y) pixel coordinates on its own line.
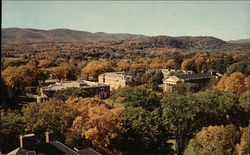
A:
(201, 79)
(116, 80)
(102, 90)
(168, 72)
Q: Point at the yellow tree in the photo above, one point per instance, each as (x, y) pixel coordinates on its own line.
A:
(123, 66)
(44, 63)
(156, 64)
(198, 63)
(172, 64)
(18, 78)
(188, 64)
(58, 73)
(96, 122)
(222, 83)
(13, 77)
(95, 68)
(235, 83)
(216, 140)
(242, 147)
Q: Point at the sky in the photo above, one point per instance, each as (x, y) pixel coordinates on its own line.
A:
(227, 20)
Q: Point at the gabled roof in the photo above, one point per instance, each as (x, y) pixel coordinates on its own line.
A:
(188, 77)
(47, 148)
(88, 151)
(51, 148)
(63, 148)
(172, 79)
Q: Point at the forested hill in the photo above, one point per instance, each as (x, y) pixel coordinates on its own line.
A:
(126, 41)
(18, 35)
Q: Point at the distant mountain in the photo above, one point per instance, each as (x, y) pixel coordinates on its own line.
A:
(185, 42)
(18, 35)
(241, 41)
(126, 41)
(244, 43)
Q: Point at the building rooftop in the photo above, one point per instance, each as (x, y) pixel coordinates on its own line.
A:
(28, 146)
(119, 75)
(73, 84)
(189, 77)
(194, 76)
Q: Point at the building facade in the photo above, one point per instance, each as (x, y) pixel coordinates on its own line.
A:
(116, 80)
(201, 79)
(169, 72)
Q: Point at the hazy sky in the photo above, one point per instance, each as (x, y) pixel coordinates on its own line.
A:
(227, 20)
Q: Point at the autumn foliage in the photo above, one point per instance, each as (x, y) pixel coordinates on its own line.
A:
(235, 83)
(97, 122)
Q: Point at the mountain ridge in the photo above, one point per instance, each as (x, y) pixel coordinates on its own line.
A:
(28, 35)
(123, 40)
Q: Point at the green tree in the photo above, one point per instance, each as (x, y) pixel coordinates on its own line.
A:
(184, 88)
(12, 125)
(5, 99)
(188, 64)
(156, 78)
(136, 97)
(242, 148)
(142, 121)
(71, 92)
(221, 108)
(52, 115)
(245, 101)
(182, 117)
(145, 132)
(71, 71)
(242, 66)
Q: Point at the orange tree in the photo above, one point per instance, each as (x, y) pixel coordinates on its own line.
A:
(235, 83)
(97, 122)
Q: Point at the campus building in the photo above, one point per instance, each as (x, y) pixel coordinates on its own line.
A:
(95, 89)
(201, 79)
(116, 80)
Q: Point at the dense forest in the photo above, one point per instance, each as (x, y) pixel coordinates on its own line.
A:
(133, 120)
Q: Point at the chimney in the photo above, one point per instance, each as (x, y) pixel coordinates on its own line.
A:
(27, 141)
(49, 136)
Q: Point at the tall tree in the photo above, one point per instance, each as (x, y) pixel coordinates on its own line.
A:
(171, 64)
(188, 64)
(18, 78)
(181, 116)
(242, 66)
(235, 83)
(58, 73)
(52, 115)
(216, 140)
(95, 68)
(97, 122)
(143, 124)
(242, 147)
(11, 126)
